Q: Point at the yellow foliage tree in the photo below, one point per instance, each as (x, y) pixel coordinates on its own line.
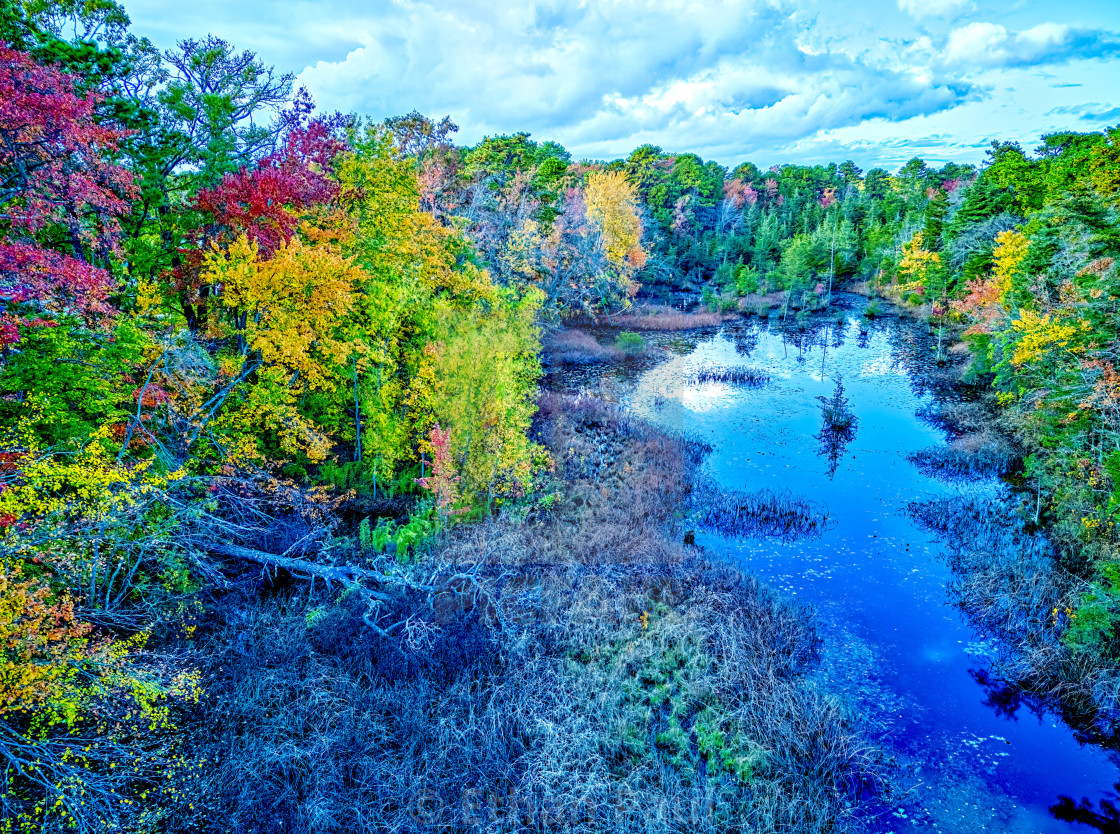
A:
(1009, 253)
(408, 259)
(1036, 335)
(289, 309)
(289, 316)
(986, 299)
(476, 377)
(86, 481)
(919, 266)
(612, 206)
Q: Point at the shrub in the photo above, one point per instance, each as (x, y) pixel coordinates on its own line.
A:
(630, 342)
(759, 308)
(710, 299)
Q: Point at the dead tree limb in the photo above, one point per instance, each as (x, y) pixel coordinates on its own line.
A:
(348, 576)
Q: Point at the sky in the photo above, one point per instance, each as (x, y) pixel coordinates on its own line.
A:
(769, 81)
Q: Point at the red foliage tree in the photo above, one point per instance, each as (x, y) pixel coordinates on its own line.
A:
(265, 203)
(60, 195)
(443, 483)
(740, 193)
(268, 202)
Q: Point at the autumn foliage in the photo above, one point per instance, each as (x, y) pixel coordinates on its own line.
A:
(60, 193)
(42, 643)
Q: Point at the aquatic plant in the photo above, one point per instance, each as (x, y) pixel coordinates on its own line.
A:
(608, 678)
(630, 342)
(734, 374)
(762, 513)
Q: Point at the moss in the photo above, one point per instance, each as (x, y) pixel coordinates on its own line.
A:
(731, 754)
(660, 694)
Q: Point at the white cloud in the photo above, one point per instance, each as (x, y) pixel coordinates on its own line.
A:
(976, 43)
(727, 79)
(934, 8)
(992, 45)
(604, 77)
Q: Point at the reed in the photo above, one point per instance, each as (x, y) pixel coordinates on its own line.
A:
(979, 454)
(1008, 580)
(732, 374)
(764, 513)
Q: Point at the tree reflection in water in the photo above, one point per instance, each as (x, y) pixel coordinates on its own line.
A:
(838, 427)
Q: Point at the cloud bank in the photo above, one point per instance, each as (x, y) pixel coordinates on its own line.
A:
(730, 79)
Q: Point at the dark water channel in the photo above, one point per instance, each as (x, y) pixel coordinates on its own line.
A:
(895, 646)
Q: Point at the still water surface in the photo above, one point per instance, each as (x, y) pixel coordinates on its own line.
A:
(895, 645)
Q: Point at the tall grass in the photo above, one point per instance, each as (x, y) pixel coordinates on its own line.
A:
(977, 448)
(668, 319)
(571, 346)
(1009, 582)
(975, 455)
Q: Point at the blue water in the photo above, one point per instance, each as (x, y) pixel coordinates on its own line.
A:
(895, 646)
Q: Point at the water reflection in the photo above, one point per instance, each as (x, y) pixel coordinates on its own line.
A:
(1107, 818)
(838, 427)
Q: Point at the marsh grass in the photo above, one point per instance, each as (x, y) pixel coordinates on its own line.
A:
(978, 454)
(669, 319)
(957, 417)
(1007, 579)
(978, 447)
(572, 346)
(605, 678)
(765, 513)
(732, 374)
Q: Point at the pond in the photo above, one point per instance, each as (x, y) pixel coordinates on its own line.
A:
(972, 755)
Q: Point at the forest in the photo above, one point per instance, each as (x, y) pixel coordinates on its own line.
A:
(280, 469)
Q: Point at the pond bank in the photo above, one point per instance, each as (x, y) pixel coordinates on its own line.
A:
(979, 757)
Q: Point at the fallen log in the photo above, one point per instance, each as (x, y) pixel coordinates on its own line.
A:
(441, 597)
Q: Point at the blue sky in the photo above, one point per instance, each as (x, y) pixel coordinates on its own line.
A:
(877, 81)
